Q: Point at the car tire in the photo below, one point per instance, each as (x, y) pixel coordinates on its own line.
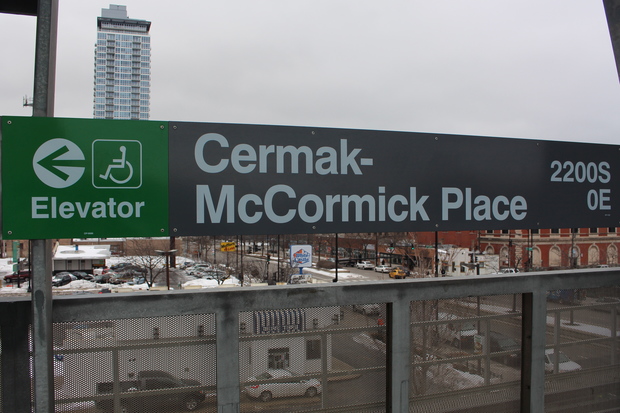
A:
(311, 392)
(266, 396)
(190, 404)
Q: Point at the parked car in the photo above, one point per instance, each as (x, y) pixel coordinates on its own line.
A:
(81, 275)
(365, 265)
(23, 276)
(292, 387)
(367, 309)
(131, 270)
(62, 278)
(107, 278)
(198, 268)
(187, 399)
(567, 296)
(120, 266)
(383, 268)
(347, 262)
(508, 271)
(565, 364)
(397, 273)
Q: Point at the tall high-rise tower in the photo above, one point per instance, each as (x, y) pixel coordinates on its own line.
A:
(122, 66)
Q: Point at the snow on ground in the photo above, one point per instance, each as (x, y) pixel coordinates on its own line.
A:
(6, 267)
(231, 281)
(369, 342)
(342, 274)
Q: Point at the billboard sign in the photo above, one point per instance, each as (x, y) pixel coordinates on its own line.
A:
(228, 246)
(301, 256)
(70, 178)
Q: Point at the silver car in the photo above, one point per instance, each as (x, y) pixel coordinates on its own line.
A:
(293, 387)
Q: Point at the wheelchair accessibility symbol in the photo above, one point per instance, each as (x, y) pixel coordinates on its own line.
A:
(117, 164)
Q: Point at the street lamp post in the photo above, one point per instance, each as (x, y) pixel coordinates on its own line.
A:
(167, 254)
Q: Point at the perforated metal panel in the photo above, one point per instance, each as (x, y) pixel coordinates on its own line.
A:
(581, 349)
(137, 365)
(464, 351)
(313, 359)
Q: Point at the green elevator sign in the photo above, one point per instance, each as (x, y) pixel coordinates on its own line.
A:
(68, 178)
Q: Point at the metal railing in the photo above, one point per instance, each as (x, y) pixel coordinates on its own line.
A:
(222, 339)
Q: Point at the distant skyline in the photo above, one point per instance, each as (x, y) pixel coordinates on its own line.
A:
(522, 69)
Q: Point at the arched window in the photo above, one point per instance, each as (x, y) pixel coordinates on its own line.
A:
(555, 256)
(536, 258)
(612, 255)
(594, 257)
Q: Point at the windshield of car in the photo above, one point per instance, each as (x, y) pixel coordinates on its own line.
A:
(264, 376)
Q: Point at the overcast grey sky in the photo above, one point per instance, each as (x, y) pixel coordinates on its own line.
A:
(511, 68)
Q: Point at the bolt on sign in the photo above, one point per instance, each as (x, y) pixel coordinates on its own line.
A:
(65, 178)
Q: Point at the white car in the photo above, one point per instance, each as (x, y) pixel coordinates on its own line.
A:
(383, 268)
(365, 265)
(564, 363)
(294, 387)
(198, 268)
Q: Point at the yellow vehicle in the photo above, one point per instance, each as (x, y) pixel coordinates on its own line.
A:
(397, 273)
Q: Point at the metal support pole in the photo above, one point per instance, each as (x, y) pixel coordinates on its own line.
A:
(173, 260)
(612, 12)
(227, 371)
(436, 254)
(41, 277)
(336, 277)
(242, 246)
(42, 335)
(398, 355)
(168, 271)
(534, 307)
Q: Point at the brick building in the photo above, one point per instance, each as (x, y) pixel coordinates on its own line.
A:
(538, 248)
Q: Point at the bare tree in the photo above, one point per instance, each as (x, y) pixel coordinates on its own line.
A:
(199, 248)
(146, 257)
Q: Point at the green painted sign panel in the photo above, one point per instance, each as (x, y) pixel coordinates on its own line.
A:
(72, 178)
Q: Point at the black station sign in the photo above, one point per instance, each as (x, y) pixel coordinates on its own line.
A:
(227, 179)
